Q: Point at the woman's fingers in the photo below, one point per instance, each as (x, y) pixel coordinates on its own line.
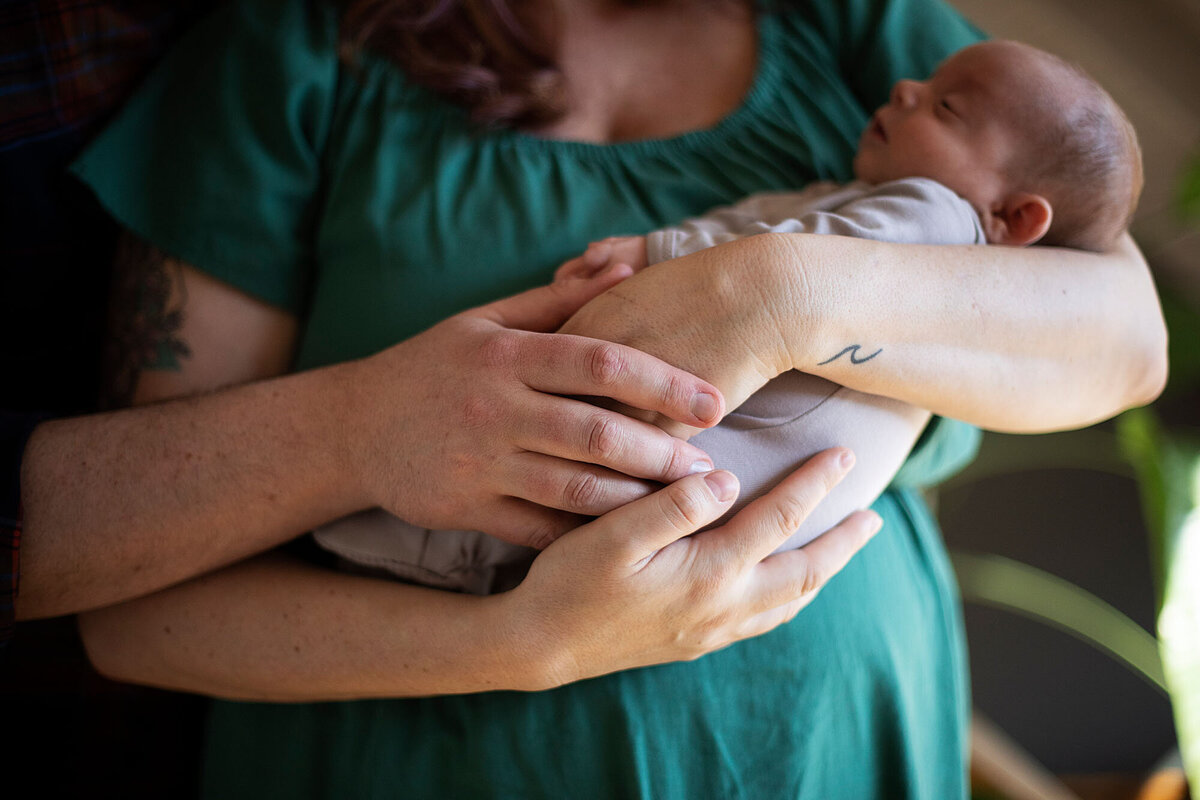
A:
(569, 485)
(528, 524)
(640, 529)
(790, 580)
(579, 431)
(759, 528)
(576, 365)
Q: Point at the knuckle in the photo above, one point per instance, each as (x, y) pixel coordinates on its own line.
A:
(500, 349)
(604, 437)
(477, 412)
(810, 578)
(462, 467)
(605, 364)
(542, 533)
(674, 392)
(684, 508)
(582, 492)
(790, 513)
(707, 587)
(675, 461)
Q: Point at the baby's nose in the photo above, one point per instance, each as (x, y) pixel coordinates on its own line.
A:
(904, 93)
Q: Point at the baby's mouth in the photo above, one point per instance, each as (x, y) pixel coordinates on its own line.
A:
(875, 129)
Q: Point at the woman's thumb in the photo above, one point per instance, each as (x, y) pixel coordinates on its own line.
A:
(546, 308)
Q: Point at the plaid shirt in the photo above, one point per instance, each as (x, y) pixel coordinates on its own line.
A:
(65, 66)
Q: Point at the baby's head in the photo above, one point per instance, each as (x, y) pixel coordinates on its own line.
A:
(1036, 146)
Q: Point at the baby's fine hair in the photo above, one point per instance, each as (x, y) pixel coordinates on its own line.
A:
(1083, 156)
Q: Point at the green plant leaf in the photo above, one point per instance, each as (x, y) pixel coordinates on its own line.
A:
(1183, 325)
(1188, 201)
(1012, 585)
(1168, 469)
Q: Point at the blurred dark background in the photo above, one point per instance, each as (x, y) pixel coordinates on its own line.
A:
(1073, 708)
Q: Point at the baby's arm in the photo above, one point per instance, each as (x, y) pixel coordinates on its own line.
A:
(912, 210)
(716, 227)
(601, 254)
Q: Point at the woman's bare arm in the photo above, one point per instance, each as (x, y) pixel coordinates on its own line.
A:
(121, 504)
(1020, 340)
(630, 589)
(1025, 340)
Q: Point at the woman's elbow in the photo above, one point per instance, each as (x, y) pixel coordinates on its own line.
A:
(105, 640)
(1136, 300)
(1149, 367)
(1155, 373)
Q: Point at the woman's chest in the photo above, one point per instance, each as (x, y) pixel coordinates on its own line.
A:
(422, 217)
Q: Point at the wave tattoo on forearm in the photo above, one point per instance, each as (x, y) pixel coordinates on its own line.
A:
(854, 359)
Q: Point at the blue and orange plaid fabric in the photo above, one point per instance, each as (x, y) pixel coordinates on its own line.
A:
(65, 65)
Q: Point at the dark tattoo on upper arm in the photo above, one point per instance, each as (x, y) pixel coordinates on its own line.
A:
(145, 318)
(853, 351)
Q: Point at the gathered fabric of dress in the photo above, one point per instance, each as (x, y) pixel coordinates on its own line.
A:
(372, 209)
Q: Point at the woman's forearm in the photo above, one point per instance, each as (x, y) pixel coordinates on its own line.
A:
(117, 505)
(280, 630)
(636, 586)
(1021, 340)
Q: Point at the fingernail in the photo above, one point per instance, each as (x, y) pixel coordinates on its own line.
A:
(700, 465)
(846, 460)
(723, 485)
(875, 524)
(704, 406)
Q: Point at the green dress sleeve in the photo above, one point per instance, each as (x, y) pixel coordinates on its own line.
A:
(218, 164)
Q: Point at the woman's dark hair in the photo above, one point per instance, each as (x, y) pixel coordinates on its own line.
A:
(479, 54)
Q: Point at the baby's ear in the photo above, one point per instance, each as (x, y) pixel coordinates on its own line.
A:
(1018, 219)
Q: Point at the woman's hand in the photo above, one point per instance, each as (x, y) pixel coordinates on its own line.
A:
(633, 588)
(629, 589)
(708, 313)
(486, 439)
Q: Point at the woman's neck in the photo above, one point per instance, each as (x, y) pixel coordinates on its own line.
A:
(651, 71)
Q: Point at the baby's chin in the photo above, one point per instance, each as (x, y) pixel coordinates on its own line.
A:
(863, 170)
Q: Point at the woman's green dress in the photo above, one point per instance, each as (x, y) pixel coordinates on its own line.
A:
(371, 209)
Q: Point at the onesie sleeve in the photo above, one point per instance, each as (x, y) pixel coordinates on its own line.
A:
(908, 211)
(878, 42)
(718, 226)
(216, 160)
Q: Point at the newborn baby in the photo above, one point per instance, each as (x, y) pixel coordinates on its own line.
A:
(1004, 144)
